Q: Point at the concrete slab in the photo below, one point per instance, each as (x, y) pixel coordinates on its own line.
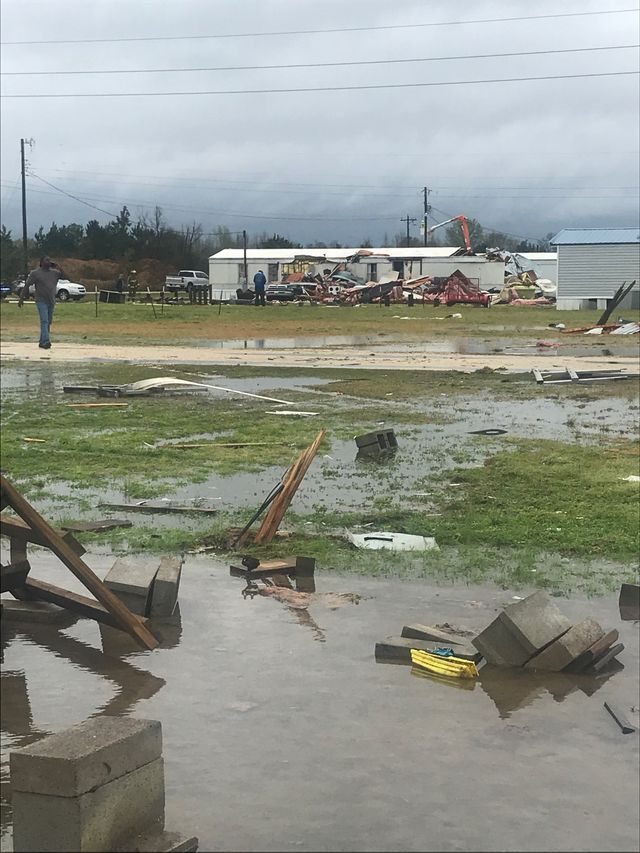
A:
(428, 632)
(132, 583)
(163, 842)
(568, 647)
(398, 650)
(535, 621)
(499, 646)
(86, 756)
(164, 589)
(96, 821)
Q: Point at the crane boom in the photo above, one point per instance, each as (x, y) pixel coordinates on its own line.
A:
(463, 223)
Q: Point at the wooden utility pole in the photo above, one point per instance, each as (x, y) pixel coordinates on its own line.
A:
(244, 255)
(427, 209)
(25, 257)
(408, 219)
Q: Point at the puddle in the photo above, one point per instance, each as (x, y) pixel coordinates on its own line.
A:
(282, 733)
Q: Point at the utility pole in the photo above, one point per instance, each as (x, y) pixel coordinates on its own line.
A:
(427, 210)
(25, 258)
(408, 219)
(244, 255)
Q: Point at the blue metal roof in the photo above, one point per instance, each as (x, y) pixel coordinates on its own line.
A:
(593, 236)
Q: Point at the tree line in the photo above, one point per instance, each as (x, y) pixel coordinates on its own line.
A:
(127, 241)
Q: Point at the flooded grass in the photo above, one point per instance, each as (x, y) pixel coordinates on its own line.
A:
(505, 509)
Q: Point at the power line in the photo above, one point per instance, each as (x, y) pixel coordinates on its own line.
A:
(75, 198)
(330, 88)
(328, 30)
(501, 55)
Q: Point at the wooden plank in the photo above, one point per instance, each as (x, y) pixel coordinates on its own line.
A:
(95, 405)
(80, 604)
(625, 726)
(594, 652)
(96, 526)
(13, 574)
(16, 528)
(264, 570)
(126, 619)
(223, 444)
(291, 482)
(158, 508)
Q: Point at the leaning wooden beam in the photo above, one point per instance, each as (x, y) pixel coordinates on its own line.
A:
(80, 604)
(291, 482)
(17, 529)
(126, 620)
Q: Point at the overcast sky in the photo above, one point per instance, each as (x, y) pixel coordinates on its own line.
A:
(524, 157)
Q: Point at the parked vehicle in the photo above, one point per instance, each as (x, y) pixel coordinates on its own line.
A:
(65, 290)
(284, 292)
(187, 280)
(6, 289)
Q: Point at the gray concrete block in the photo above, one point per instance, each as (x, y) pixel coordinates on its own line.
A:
(96, 821)
(398, 650)
(568, 647)
(85, 756)
(499, 646)
(428, 632)
(132, 583)
(535, 621)
(164, 590)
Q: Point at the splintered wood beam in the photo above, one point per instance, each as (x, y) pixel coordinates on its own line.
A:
(16, 528)
(127, 621)
(82, 605)
(291, 482)
(13, 574)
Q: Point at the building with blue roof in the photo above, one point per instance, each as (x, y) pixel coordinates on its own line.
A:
(593, 263)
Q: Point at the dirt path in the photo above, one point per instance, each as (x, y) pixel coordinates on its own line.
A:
(380, 358)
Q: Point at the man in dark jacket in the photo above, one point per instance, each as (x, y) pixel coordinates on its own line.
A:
(45, 280)
(259, 284)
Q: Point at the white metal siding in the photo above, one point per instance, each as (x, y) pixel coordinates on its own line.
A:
(596, 272)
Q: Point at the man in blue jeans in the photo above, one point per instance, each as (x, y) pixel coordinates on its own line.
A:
(259, 283)
(45, 280)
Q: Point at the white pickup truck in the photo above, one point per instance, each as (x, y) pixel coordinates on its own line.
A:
(187, 280)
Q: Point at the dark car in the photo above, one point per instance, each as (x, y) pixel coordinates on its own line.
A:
(6, 289)
(284, 292)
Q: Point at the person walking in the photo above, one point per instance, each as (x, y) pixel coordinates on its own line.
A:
(132, 284)
(259, 284)
(45, 281)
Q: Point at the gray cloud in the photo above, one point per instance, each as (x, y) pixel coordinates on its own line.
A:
(526, 158)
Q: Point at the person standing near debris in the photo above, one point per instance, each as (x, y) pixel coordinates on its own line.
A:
(132, 284)
(259, 284)
(45, 281)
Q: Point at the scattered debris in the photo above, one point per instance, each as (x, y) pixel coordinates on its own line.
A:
(443, 662)
(377, 540)
(158, 385)
(546, 377)
(632, 478)
(96, 405)
(292, 413)
(96, 526)
(617, 298)
(35, 440)
(488, 431)
(534, 633)
(625, 726)
(629, 602)
(290, 484)
(376, 443)
(627, 329)
(158, 507)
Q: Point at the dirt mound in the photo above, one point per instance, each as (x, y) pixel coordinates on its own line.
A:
(102, 274)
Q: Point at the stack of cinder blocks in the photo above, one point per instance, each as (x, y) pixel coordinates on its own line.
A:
(145, 588)
(535, 634)
(96, 786)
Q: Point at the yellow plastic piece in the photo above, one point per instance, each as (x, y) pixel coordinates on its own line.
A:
(450, 666)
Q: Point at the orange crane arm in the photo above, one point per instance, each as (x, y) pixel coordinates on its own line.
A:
(465, 228)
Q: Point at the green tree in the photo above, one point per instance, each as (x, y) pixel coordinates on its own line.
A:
(10, 256)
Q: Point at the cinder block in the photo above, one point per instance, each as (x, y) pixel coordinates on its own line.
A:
(96, 821)
(131, 582)
(499, 646)
(164, 590)
(535, 621)
(85, 756)
(568, 647)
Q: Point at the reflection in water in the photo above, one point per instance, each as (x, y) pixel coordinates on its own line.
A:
(16, 718)
(511, 689)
